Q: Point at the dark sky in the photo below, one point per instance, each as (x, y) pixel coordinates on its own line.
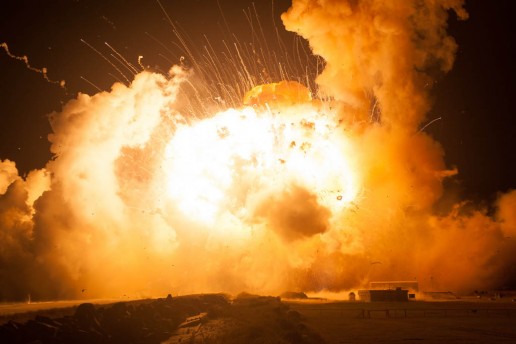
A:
(476, 101)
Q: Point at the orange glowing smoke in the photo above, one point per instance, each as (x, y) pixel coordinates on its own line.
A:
(286, 192)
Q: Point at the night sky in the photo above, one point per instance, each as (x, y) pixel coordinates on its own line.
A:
(476, 100)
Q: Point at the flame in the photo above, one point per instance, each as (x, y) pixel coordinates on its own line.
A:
(214, 166)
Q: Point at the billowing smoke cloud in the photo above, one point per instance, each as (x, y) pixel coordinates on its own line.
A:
(143, 199)
(17, 198)
(378, 50)
(506, 213)
(382, 57)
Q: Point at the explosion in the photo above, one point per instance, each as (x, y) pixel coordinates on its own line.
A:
(288, 191)
(218, 166)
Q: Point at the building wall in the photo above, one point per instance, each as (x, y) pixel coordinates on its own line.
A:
(373, 295)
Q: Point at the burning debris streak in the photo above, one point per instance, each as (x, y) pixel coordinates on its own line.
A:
(290, 189)
(43, 71)
(108, 61)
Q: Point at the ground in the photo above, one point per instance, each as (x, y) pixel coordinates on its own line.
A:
(411, 322)
(258, 319)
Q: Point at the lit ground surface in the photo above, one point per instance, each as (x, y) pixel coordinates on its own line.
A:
(22, 311)
(14, 308)
(411, 322)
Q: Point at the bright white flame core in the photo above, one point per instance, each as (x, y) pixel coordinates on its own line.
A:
(216, 166)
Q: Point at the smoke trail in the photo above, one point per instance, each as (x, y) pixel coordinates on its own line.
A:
(25, 59)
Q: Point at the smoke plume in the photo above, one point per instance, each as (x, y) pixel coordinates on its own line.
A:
(288, 192)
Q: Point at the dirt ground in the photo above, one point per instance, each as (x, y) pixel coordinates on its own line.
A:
(411, 322)
(267, 320)
(202, 318)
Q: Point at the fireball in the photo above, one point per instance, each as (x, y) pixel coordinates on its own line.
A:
(217, 167)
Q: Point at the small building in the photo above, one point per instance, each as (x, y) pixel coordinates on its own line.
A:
(383, 295)
(352, 296)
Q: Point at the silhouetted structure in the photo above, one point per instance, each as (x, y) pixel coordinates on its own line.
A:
(374, 295)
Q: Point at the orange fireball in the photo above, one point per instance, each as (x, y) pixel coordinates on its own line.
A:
(282, 93)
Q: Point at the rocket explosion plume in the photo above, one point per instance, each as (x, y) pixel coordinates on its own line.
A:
(288, 191)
